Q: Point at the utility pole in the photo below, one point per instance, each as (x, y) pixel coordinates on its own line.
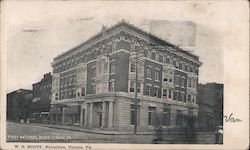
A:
(136, 93)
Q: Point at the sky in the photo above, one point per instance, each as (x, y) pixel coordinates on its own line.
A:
(36, 32)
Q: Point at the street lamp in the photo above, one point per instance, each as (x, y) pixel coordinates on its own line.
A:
(136, 90)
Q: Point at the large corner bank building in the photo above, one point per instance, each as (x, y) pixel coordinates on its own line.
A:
(94, 84)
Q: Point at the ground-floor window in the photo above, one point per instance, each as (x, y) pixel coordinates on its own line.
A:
(132, 114)
(179, 118)
(151, 115)
(166, 117)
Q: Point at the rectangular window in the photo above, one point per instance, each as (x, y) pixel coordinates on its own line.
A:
(74, 93)
(183, 97)
(193, 98)
(166, 117)
(179, 118)
(176, 95)
(67, 94)
(93, 72)
(56, 96)
(132, 67)
(112, 68)
(105, 67)
(149, 73)
(179, 97)
(189, 98)
(63, 95)
(138, 87)
(83, 91)
(176, 80)
(147, 90)
(111, 86)
(132, 114)
(180, 65)
(156, 92)
(151, 115)
(165, 79)
(164, 93)
(169, 94)
(93, 89)
(157, 74)
(132, 86)
(189, 82)
(183, 81)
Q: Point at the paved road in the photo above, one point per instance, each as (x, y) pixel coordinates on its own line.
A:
(17, 132)
(34, 133)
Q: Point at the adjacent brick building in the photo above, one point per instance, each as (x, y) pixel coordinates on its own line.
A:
(93, 84)
(210, 101)
(41, 98)
(19, 105)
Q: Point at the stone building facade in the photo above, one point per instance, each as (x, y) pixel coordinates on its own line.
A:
(41, 98)
(93, 84)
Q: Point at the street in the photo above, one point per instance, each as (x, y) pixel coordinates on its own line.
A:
(17, 132)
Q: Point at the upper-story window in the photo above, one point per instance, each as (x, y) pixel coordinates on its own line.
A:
(157, 57)
(186, 68)
(149, 73)
(156, 91)
(167, 60)
(157, 75)
(56, 96)
(153, 55)
(180, 65)
(183, 81)
(161, 58)
(146, 53)
(93, 89)
(132, 67)
(149, 55)
(183, 97)
(83, 91)
(170, 94)
(93, 72)
(164, 95)
(176, 95)
(176, 80)
(112, 68)
(148, 90)
(189, 82)
(132, 87)
(189, 98)
(191, 69)
(105, 67)
(111, 86)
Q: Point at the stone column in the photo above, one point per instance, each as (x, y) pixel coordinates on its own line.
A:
(81, 116)
(56, 116)
(110, 113)
(103, 114)
(91, 115)
(63, 115)
(86, 115)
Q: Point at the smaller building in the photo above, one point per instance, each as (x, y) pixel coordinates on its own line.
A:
(18, 105)
(210, 101)
(41, 99)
